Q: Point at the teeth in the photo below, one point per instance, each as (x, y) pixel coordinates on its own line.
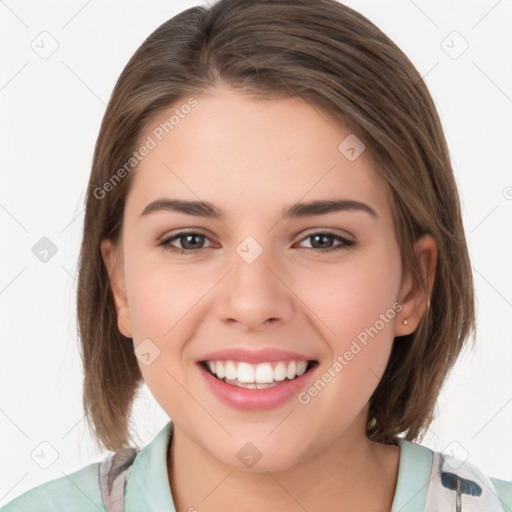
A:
(230, 370)
(218, 368)
(245, 373)
(291, 371)
(280, 371)
(264, 374)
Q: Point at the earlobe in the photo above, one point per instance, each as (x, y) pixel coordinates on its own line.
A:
(115, 272)
(416, 295)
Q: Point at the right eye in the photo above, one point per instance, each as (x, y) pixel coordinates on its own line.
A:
(189, 241)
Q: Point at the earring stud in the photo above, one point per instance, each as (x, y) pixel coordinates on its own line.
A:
(405, 322)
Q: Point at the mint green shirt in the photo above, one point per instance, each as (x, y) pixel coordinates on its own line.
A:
(427, 481)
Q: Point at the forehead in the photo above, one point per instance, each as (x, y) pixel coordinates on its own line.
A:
(238, 151)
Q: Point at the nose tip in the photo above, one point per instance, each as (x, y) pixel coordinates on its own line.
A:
(254, 296)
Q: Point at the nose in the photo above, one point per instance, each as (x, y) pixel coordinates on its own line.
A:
(256, 294)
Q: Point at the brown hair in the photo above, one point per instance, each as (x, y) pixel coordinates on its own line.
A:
(341, 63)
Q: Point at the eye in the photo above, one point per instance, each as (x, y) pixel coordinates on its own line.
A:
(322, 240)
(189, 240)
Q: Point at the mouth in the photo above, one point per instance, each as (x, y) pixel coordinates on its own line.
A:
(264, 375)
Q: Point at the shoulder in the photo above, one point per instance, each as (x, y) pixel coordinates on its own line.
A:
(106, 483)
(78, 491)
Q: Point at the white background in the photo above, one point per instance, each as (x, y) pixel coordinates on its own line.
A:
(51, 113)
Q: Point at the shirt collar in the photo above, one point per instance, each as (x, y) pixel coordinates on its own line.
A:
(148, 487)
(413, 477)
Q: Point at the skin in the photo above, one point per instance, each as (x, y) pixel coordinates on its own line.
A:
(236, 153)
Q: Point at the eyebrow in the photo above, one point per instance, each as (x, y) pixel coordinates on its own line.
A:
(208, 210)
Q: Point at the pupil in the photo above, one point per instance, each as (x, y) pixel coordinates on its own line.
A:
(192, 236)
(322, 238)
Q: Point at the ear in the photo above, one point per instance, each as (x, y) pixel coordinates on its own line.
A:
(414, 296)
(115, 271)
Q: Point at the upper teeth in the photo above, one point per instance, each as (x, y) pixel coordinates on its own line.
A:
(260, 373)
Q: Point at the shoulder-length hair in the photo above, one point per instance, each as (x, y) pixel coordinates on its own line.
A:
(341, 63)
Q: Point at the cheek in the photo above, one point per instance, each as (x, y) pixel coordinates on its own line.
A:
(162, 300)
(352, 295)
(353, 310)
(162, 295)
(166, 303)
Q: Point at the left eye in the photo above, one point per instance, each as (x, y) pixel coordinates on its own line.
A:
(322, 237)
(191, 241)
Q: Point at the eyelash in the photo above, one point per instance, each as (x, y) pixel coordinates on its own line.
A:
(346, 243)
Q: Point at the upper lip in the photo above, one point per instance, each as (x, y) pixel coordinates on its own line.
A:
(253, 356)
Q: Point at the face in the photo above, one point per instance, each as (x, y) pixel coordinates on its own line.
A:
(255, 286)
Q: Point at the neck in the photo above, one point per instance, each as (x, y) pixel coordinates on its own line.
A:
(352, 473)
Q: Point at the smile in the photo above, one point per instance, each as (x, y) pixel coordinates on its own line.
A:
(256, 376)
(283, 380)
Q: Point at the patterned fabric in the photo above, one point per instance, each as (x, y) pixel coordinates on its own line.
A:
(457, 486)
(113, 475)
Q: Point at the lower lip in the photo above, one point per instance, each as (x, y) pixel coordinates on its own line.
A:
(255, 399)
